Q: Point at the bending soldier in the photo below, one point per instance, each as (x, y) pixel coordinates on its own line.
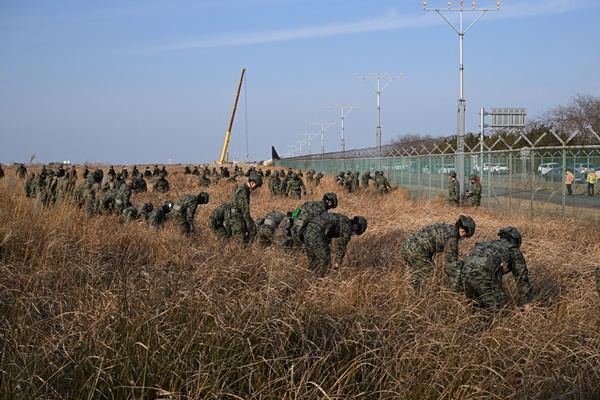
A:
(184, 211)
(309, 210)
(480, 275)
(219, 221)
(243, 227)
(159, 215)
(318, 235)
(420, 248)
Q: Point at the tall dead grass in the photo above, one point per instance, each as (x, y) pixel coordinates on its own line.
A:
(91, 308)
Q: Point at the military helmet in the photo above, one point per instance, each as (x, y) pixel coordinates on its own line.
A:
(467, 223)
(168, 206)
(473, 177)
(203, 198)
(452, 174)
(511, 233)
(256, 178)
(330, 196)
(294, 176)
(149, 206)
(361, 222)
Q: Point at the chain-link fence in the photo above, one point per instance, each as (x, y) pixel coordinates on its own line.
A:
(526, 179)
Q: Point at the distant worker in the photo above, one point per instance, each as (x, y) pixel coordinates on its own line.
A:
(569, 179)
(474, 193)
(453, 190)
(243, 227)
(421, 247)
(184, 211)
(318, 235)
(592, 178)
(480, 275)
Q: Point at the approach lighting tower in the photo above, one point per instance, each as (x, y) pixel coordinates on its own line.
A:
(342, 110)
(378, 90)
(324, 125)
(460, 134)
(310, 136)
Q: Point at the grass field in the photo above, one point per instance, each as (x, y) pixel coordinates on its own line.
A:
(94, 309)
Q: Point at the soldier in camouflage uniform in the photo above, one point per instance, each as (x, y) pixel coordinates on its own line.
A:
(420, 248)
(307, 211)
(147, 172)
(158, 217)
(136, 212)
(274, 184)
(480, 275)
(267, 225)
(21, 171)
(318, 178)
(135, 172)
(30, 185)
(139, 185)
(474, 194)
(124, 172)
(383, 186)
(365, 179)
(283, 182)
(243, 227)
(204, 181)
(453, 190)
(161, 185)
(106, 204)
(295, 187)
(317, 239)
(122, 198)
(219, 223)
(184, 211)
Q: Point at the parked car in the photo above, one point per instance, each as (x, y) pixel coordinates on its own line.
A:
(446, 168)
(500, 168)
(558, 175)
(544, 168)
(581, 167)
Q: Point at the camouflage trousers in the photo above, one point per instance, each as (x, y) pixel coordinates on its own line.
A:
(240, 231)
(296, 195)
(420, 264)
(318, 250)
(219, 229)
(478, 283)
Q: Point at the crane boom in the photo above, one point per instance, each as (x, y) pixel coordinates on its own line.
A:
(228, 134)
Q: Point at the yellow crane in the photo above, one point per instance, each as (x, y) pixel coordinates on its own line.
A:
(228, 134)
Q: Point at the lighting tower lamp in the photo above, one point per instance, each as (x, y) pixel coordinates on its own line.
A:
(342, 110)
(378, 91)
(460, 134)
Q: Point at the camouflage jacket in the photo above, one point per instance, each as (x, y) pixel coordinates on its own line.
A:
(161, 185)
(185, 208)
(475, 189)
(295, 186)
(306, 212)
(434, 239)
(331, 225)
(240, 207)
(220, 215)
(454, 190)
(498, 257)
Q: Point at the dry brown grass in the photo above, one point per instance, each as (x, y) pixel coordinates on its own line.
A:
(91, 308)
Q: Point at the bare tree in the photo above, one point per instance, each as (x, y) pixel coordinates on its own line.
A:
(580, 114)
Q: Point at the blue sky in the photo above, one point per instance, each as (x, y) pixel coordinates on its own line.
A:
(136, 82)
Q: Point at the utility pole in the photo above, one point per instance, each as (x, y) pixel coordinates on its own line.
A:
(460, 134)
(324, 125)
(378, 91)
(342, 110)
(310, 136)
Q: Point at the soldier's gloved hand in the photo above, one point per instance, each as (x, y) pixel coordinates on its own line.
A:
(191, 227)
